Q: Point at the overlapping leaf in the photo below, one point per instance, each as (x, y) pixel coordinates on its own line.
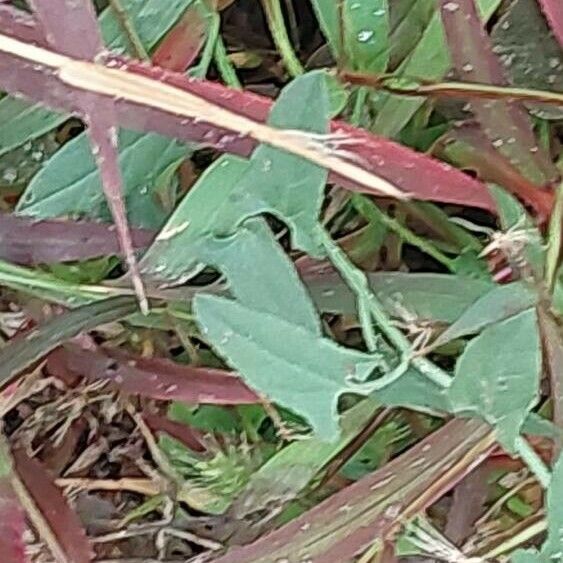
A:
(497, 376)
(70, 183)
(300, 370)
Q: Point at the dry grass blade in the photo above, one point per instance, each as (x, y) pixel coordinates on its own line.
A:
(399, 166)
(12, 518)
(375, 507)
(116, 83)
(57, 525)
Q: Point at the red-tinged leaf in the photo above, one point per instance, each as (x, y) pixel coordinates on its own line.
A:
(12, 517)
(26, 241)
(156, 378)
(20, 24)
(468, 148)
(505, 123)
(191, 438)
(26, 349)
(70, 27)
(81, 39)
(420, 176)
(68, 537)
(553, 11)
(182, 44)
(375, 507)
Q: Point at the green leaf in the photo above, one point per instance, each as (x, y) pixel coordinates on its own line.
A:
(414, 390)
(151, 19)
(527, 556)
(261, 276)
(283, 184)
(500, 303)
(366, 28)
(497, 376)
(553, 547)
(430, 60)
(21, 122)
(300, 370)
(436, 297)
(408, 20)
(69, 183)
(329, 20)
(200, 216)
(366, 32)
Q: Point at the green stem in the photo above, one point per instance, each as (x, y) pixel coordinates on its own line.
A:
(358, 282)
(371, 212)
(434, 218)
(554, 238)
(533, 461)
(226, 69)
(274, 16)
(200, 71)
(359, 103)
(122, 17)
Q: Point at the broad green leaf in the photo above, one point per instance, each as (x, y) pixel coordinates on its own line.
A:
(366, 35)
(284, 184)
(21, 122)
(294, 367)
(527, 556)
(415, 391)
(328, 16)
(429, 60)
(436, 297)
(151, 19)
(408, 20)
(499, 304)
(69, 183)
(200, 216)
(366, 32)
(497, 376)
(261, 276)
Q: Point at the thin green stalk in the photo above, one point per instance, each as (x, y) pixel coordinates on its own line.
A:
(274, 16)
(370, 211)
(358, 282)
(440, 223)
(226, 69)
(122, 17)
(359, 103)
(554, 238)
(200, 70)
(533, 461)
